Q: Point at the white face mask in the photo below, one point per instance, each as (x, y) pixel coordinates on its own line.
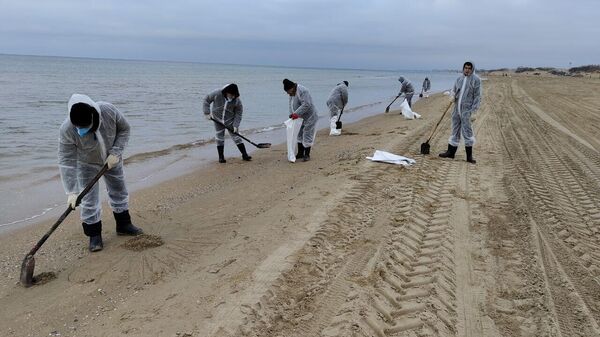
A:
(230, 98)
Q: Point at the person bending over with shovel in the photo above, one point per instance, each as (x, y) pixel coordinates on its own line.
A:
(338, 98)
(93, 135)
(467, 96)
(407, 89)
(226, 113)
(301, 106)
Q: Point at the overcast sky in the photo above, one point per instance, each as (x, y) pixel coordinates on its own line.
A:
(380, 34)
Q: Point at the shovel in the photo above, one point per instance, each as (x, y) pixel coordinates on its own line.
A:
(388, 107)
(338, 123)
(425, 147)
(421, 94)
(28, 264)
(259, 145)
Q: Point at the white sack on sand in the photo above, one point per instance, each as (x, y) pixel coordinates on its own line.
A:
(390, 158)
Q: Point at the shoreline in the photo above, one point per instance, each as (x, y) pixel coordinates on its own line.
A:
(147, 169)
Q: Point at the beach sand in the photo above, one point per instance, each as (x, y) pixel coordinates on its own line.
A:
(340, 246)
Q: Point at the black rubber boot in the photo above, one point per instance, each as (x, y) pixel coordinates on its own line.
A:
(94, 231)
(221, 150)
(450, 152)
(306, 154)
(124, 225)
(300, 153)
(469, 150)
(245, 155)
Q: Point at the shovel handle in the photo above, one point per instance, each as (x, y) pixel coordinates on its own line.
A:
(438, 123)
(341, 112)
(85, 191)
(388, 107)
(235, 133)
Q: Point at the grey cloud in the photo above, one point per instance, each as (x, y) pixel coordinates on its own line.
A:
(382, 34)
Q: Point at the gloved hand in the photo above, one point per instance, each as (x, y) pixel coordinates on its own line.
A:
(209, 116)
(235, 130)
(451, 98)
(294, 116)
(72, 200)
(112, 160)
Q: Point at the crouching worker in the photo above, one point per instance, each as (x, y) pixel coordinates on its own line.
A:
(227, 111)
(94, 134)
(301, 106)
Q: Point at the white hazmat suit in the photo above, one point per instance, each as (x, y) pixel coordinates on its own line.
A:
(81, 158)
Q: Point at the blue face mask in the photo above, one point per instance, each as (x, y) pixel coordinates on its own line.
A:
(83, 131)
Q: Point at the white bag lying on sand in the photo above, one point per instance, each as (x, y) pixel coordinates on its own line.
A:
(386, 157)
(333, 131)
(407, 111)
(292, 128)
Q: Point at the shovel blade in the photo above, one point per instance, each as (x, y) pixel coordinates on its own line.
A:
(338, 125)
(425, 148)
(264, 145)
(27, 267)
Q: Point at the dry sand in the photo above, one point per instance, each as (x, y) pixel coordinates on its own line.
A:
(340, 246)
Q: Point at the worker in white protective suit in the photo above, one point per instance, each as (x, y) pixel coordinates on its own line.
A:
(94, 134)
(406, 89)
(338, 98)
(301, 106)
(467, 97)
(426, 87)
(227, 109)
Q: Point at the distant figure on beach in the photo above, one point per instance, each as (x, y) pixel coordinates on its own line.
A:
(338, 98)
(94, 134)
(466, 95)
(426, 87)
(226, 113)
(407, 89)
(301, 106)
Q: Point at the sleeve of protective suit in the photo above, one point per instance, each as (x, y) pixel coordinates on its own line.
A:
(305, 103)
(456, 88)
(208, 99)
(238, 111)
(121, 133)
(407, 88)
(476, 94)
(67, 159)
(344, 96)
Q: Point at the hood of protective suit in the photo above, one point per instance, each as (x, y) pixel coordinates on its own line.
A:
(401, 79)
(79, 98)
(231, 88)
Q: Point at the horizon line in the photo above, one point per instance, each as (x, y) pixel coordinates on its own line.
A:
(227, 64)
